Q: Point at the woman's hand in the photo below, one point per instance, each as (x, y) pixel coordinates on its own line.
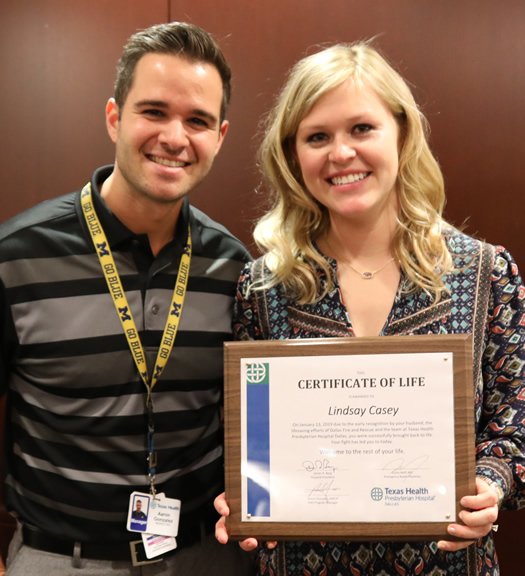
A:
(220, 528)
(478, 521)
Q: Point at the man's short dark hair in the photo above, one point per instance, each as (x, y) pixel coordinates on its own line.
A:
(178, 39)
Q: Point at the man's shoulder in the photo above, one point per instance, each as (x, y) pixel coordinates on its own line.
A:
(47, 213)
(217, 239)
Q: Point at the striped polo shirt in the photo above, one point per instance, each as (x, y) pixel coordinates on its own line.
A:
(75, 437)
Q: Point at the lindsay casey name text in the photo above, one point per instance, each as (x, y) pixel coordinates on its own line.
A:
(350, 411)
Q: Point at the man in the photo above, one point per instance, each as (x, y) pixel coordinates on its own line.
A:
(116, 302)
(137, 513)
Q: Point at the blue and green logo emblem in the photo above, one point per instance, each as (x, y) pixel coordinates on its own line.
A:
(258, 373)
(376, 494)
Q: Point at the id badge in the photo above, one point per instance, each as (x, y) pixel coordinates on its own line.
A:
(164, 516)
(158, 516)
(156, 545)
(138, 511)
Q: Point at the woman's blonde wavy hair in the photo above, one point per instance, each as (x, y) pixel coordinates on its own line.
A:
(287, 232)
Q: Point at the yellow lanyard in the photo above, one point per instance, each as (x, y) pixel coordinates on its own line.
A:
(118, 295)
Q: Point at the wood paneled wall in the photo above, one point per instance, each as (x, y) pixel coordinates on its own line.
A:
(465, 60)
(57, 61)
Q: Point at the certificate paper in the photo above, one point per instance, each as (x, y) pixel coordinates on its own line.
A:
(349, 441)
(348, 438)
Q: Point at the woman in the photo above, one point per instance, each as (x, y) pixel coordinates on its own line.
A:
(355, 245)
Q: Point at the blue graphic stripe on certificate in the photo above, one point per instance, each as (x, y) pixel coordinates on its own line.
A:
(258, 439)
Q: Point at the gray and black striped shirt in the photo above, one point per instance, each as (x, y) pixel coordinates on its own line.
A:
(75, 438)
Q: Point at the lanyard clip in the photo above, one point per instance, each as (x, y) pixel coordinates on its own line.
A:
(152, 459)
(152, 490)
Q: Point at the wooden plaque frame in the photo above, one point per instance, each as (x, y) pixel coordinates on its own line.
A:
(459, 345)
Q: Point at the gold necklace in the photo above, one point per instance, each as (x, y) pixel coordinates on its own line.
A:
(369, 274)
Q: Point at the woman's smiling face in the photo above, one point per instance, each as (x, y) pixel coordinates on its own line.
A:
(348, 151)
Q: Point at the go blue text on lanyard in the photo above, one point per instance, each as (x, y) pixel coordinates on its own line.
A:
(123, 309)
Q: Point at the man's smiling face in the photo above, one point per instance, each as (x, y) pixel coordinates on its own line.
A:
(168, 131)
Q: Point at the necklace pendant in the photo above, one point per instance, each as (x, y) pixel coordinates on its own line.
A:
(367, 275)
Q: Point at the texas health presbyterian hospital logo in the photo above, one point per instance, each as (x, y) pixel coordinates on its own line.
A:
(376, 494)
(257, 373)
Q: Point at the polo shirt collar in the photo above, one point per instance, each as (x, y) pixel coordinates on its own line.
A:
(117, 233)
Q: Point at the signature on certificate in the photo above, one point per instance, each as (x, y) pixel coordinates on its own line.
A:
(403, 465)
(319, 465)
(321, 491)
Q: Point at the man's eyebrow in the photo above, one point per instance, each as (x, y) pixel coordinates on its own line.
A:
(156, 103)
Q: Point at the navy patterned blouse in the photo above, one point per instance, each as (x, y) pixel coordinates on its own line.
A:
(486, 298)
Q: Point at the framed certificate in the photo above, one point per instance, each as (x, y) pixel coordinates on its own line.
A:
(348, 438)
